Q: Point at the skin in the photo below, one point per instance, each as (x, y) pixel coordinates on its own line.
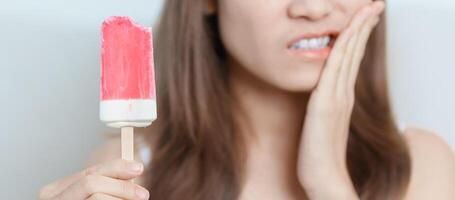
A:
(288, 124)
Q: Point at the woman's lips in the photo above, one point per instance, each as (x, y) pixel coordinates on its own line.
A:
(312, 55)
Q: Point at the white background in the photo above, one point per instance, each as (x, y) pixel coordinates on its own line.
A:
(49, 61)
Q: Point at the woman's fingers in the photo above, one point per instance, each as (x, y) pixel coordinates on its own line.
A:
(329, 73)
(101, 196)
(359, 52)
(119, 169)
(356, 25)
(92, 184)
(329, 77)
(54, 188)
(345, 65)
(351, 62)
(364, 35)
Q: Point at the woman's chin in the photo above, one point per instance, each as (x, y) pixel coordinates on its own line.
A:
(298, 79)
(299, 85)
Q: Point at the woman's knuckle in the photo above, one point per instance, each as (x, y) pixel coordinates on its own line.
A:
(91, 170)
(89, 183)
(127, 188)
(96, 196)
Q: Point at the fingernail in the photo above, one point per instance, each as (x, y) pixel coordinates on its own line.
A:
(141, 193)
(135, 167)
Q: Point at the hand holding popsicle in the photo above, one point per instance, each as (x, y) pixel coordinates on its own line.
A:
(322, 166)
(127, 100)
(109, 180)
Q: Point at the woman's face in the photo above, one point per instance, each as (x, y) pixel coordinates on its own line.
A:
(264, 37)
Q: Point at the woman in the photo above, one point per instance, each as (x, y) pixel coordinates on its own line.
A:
(249, 108)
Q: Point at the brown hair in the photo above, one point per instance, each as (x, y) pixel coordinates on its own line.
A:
(198, 153)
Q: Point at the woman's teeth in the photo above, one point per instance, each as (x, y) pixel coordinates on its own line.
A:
(313, 43)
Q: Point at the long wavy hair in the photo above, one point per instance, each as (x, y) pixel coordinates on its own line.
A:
(198, 152)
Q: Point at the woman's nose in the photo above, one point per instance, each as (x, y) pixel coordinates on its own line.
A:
(310, 9)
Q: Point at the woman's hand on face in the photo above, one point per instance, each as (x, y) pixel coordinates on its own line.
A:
(322, 166)
(109, 181)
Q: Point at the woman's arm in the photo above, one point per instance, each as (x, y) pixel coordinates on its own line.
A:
(433, 166)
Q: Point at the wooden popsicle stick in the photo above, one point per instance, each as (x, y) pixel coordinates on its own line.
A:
(127, 143)
(127, 140)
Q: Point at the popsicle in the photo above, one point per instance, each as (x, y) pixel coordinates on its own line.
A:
(127, 92)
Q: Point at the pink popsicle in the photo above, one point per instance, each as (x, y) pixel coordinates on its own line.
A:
(127, 60)
(127, 91)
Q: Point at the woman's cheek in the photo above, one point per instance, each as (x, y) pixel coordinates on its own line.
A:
(244, 34)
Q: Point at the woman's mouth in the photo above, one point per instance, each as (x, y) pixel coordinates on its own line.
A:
(312, 43)
(313, 48)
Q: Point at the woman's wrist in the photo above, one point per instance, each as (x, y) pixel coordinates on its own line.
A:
(341, 191)
(334, 187)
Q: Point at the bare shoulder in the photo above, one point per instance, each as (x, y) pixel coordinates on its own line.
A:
(433, 165)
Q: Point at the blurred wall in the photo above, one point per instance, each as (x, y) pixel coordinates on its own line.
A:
(49, 60)
(421, 63)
